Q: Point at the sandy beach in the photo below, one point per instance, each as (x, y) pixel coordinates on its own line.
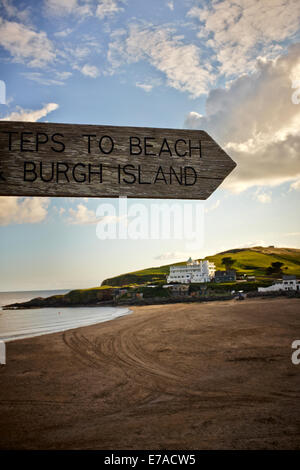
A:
(185, 376)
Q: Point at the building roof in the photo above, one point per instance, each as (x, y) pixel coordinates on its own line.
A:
(229, 272)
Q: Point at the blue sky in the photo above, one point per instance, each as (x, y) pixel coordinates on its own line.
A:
(230, 68)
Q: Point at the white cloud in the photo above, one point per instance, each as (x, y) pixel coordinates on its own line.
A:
(13, 12)
(78, 55)
(25, 45)
(173, 255)
(239, 32)
(80, 8)
(63, 75)
(263, 197)
(212, 207)
(43, 80)
(83, 8)
(113, 219)
(17, 210)
(170, 5)
(295, 185)
(255, 121)
(181, 63)
(108, 8)
(290, 234)
(252, 244)
(81, 215)
(144, 86)
(30, 115)
(84, 216)
(63, 33)
(192, 120)
(81, 52)
(89, 70)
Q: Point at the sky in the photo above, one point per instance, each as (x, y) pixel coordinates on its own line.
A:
(231, 68)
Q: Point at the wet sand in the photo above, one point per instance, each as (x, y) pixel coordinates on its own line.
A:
(185, 376)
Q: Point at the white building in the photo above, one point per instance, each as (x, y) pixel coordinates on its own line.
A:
(193, 271)
(291, 284)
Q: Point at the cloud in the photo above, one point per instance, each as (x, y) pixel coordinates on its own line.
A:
(264, 198)
(181, 63)
(173, 255)
(63, 75)
(80, 8)
(170, 5)
(81, 215)
(108, 8)
(25, 45)
(13, 12)
(144, 86)
(252, 244)
(89, 71)
(30, 115)
(83, 8)
(17, 210)
(63, 33)
(290, 234)
(40, 78)
(295, 185)
(238, 32)
(113, 219)
(192, 120)
(255, 121)
(212, 207)
(77, 55)
(84, 216)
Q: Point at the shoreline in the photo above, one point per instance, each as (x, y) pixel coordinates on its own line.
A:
(38, 303)
(59, 328)
(215, 375)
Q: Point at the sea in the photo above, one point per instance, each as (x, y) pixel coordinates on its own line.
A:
(26, 323)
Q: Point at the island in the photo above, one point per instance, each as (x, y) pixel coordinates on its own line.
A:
(246, 270)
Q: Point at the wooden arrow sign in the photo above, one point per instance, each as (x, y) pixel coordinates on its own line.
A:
(47, 159)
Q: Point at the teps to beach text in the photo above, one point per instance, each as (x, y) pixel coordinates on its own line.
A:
(47, 159)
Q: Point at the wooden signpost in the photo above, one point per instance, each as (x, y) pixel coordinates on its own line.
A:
(48, 159)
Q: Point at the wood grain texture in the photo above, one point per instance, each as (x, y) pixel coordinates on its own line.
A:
(66, 163)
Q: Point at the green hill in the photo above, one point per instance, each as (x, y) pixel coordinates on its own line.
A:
(250, 261)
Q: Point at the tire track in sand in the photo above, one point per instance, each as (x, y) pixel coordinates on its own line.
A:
(123, 355)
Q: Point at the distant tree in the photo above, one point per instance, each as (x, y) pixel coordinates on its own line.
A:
(228, 262)
(275, 268)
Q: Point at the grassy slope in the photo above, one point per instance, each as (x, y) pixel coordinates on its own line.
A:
(256, 260)
(251, 261)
